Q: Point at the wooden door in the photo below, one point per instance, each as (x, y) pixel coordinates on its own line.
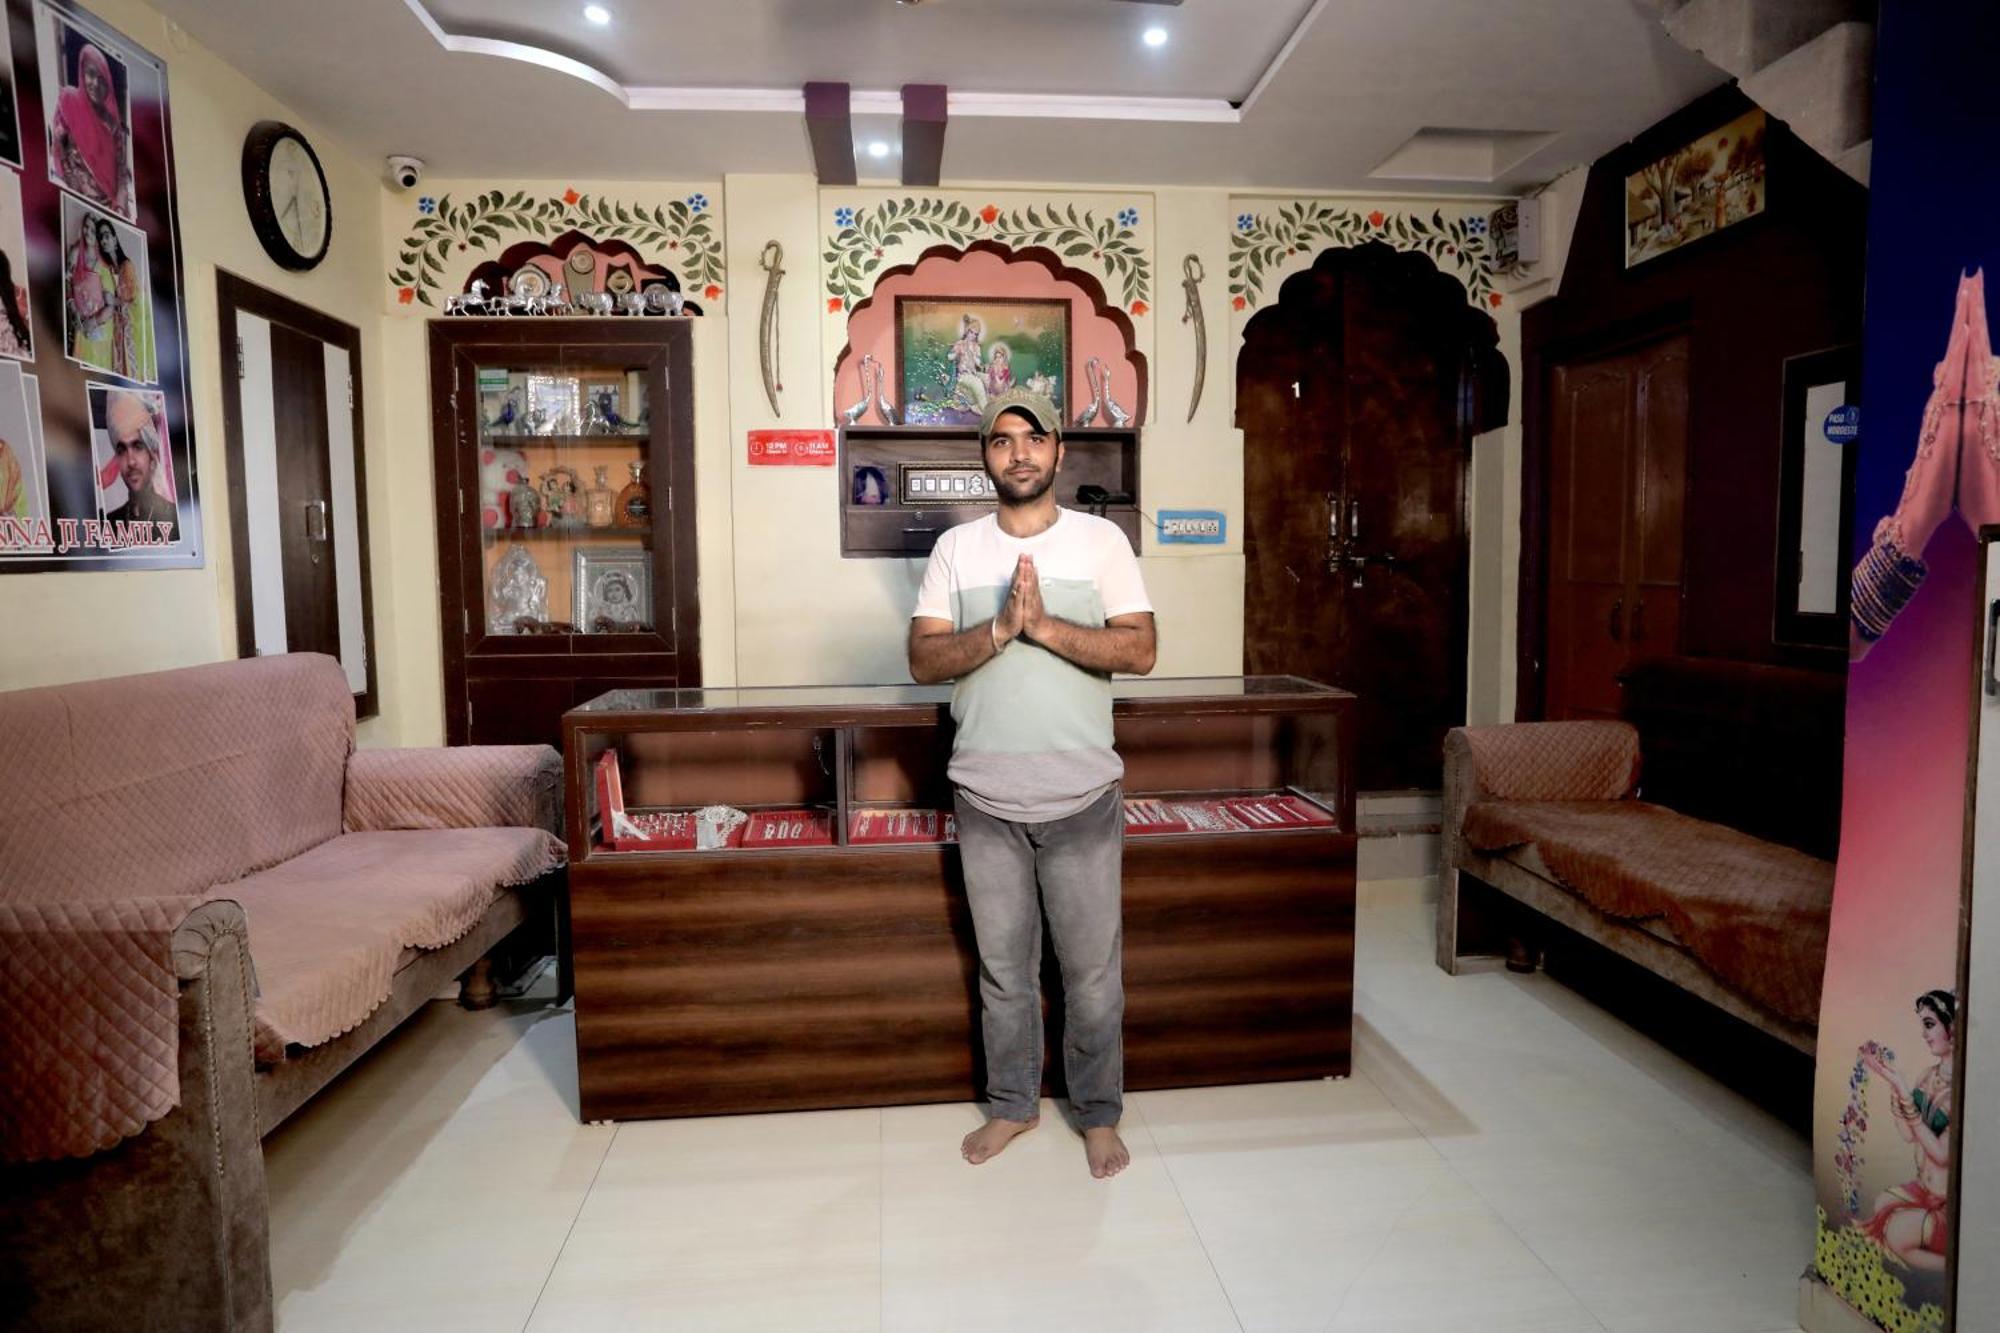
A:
(298, 408)
(1358, 395)
(292, 424)
(1617, 510)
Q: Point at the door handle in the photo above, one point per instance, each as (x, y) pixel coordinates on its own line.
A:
(316, 526)
(1992, 629)
(1639, 622)
(1616, 627)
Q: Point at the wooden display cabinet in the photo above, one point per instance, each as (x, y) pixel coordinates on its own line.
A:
(906, 522)
(533, 393)
(788, 977)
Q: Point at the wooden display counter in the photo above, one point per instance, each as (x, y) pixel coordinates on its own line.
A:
(822, 955)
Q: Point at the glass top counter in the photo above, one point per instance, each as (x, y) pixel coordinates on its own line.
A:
(734, 699)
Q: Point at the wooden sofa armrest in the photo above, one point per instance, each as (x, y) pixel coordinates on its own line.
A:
(170, 1228)
(466, 786)
(1520, 761)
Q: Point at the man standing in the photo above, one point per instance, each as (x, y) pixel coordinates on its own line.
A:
(1029, 611)
(136, 445)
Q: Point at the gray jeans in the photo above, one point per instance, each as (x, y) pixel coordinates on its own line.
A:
(1075, 862)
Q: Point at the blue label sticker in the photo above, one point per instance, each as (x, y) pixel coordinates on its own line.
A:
(1843, 424)
(1193, 527)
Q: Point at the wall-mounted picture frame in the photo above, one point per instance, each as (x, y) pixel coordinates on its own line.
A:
(107, 306)
(613, 590)
(91, 223)
(87, 112)
(1715, 182)
(955, 353)
(1821, 427)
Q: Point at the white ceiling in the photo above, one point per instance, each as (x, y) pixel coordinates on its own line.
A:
(1334, 87)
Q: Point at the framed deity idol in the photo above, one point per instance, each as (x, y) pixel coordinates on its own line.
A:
(955, 353)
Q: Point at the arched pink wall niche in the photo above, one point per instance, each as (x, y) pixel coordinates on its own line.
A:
(987, 272)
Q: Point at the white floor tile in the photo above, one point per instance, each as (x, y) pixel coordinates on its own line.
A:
(1029, 1239)
(750, 1222)
(431, 1193)
(1506, 1156)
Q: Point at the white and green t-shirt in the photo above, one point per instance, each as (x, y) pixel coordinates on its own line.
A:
(1033, 738)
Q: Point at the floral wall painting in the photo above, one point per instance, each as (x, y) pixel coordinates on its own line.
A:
(1272, 239)
(453, 239)
(952, 355)
(869, 235)
(1715, 182)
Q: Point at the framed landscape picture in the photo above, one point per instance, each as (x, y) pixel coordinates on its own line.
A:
(1715, 182)
(954, 353)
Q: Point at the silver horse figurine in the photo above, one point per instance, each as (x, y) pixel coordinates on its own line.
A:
(471, 301)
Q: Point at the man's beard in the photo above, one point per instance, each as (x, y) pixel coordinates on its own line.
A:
(1023, 492)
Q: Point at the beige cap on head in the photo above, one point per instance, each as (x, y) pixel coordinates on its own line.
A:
(1034, 406)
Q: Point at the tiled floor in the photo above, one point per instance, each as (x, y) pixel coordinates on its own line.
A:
(1505, 1157)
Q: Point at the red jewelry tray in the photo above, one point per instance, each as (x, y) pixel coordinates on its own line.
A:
(788, 828)
(660, 831)
(1223, 814)
(874, 827)
(1276, 812)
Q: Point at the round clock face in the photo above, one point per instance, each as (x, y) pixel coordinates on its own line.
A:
(298, 197)
(286, 193)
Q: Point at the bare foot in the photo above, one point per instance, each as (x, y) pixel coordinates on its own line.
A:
(1105, 1151)
(991, 1137)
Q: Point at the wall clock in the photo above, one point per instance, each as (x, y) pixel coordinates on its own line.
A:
(285, 190)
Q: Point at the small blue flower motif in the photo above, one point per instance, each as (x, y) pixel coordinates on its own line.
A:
(1475, 226)
(427, 205)
(1245, 221)
(1128, 217)
(843, 217)
(697, 202)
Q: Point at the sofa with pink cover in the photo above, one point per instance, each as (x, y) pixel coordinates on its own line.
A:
(211, 904)
(1716, 874)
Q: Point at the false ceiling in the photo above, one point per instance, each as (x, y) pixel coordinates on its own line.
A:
(1275, 94)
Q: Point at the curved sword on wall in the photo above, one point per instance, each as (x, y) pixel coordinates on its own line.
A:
(1191, 284)
(773, 264)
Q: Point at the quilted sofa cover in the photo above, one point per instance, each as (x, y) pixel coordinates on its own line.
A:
(125, 802)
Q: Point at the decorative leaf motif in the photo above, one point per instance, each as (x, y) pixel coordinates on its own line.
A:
(1261, 247)
(487, 218)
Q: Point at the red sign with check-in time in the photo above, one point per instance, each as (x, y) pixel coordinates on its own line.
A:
(792, 448)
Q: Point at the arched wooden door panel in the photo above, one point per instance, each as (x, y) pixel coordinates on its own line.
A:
(1358, 394)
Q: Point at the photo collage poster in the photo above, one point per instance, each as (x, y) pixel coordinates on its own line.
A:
(96, 451)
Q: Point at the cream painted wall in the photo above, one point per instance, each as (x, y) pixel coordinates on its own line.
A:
(778, 607)
(103, 624)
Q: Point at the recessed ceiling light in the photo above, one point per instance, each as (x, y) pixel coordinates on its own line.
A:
(597, 14)
(876, 148)
(1156, 37)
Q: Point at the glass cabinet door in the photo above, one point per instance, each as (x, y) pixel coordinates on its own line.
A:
(565, 505)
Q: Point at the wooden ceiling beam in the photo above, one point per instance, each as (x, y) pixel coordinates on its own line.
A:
(924, 119)
(830, 129)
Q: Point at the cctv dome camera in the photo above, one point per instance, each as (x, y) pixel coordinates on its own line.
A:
(405, 171)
